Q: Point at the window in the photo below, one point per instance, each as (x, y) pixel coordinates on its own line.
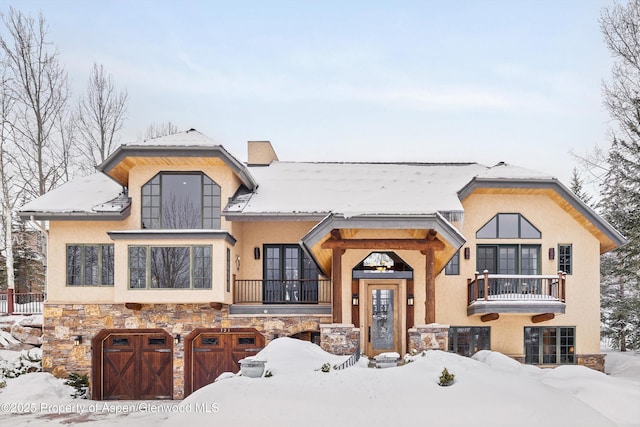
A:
(289, 275)
(170, 267)
(180, 201)
(453, 266)
(508, 259)
(90, 265)
(550, 345)
(508, 226)
(468, 341)
(564, 258)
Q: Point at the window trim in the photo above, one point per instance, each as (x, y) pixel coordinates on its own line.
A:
(518, 257)
(453, 266)
(216, 202)
(570, 262)
(558, 346)
(521, 218)
(147, 267)
(83, 266)
(453, 341)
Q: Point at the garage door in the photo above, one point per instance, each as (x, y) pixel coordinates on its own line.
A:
(210, 352)
(135, 365)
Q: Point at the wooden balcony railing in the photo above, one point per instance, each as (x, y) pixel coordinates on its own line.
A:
(12, 302)
(508, 287)
(307, 291)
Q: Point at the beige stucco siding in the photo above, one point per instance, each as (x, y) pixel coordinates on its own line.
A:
(557, 227)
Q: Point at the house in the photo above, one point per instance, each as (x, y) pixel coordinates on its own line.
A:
(177, 260)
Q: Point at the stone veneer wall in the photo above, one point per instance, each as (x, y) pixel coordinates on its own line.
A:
(338, 338)
(63, 322)
(593, 361)
(428, 337)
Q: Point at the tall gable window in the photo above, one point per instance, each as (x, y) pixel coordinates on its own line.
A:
(508, 226)
(181, 201)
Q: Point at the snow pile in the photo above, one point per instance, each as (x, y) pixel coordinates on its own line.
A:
(36, 387)
(490, 389)
(14, 363)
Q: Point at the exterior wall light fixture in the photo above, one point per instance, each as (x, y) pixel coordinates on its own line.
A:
(467, 253)
(355, 299)
(256, 253)
(176, 339)
(410, 300)
(552, 253)
(77, 340)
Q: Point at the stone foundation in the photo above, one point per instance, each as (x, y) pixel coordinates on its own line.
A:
(340, 339)
(593, 361)
(428, 337)
(64, 322)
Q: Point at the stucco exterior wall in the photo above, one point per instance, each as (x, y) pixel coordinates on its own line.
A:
(557, 227)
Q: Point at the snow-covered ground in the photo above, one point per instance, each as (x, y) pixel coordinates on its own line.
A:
(490, 389)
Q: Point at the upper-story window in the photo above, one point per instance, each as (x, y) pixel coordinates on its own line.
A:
(508, 226)
(173, 200)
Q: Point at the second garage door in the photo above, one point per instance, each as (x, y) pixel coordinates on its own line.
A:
(210, 352)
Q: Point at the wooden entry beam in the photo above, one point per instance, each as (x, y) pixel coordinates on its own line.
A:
(376, 244)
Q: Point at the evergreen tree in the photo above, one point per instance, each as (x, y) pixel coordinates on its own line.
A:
(620, 204)
(576, 187)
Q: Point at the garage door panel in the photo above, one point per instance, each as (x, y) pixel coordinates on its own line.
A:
(119, 374)
(210, 353)
(137, 366)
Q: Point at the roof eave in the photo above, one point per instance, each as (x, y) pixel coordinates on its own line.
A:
(218, 151)
(75, 216)
(547, 183)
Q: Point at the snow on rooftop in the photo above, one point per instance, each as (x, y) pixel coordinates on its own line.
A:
(507, 171)
(362, 188)
(189, 138)
(80, 195)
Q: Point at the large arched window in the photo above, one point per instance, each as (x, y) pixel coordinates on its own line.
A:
(179, 200)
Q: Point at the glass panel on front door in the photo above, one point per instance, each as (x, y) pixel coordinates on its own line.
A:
(382, 319)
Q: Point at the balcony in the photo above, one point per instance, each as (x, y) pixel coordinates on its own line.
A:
(307, 296)
(525, 294)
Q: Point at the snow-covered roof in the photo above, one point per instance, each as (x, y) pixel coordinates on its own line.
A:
(93, 195)
(364, 188)
(190, 138)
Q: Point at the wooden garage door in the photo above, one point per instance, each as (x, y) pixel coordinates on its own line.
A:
(137, 366)
(210, 352)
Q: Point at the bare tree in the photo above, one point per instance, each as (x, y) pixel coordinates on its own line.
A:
(156, 130)
(38, 87)
(101, 114)
(6, 179)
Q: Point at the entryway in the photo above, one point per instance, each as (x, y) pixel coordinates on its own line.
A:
(382, 319)
(210, 352)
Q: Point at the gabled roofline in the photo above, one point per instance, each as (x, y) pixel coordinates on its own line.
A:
(179, 151)
(75, 216)
(547, 184)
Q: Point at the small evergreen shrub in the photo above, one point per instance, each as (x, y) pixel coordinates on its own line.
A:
(80, 383)
(325, 367)
(268, 374)
(3, 384)
(446, 378)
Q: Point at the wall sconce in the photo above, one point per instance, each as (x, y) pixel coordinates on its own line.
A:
(410, 300)
(467, 253)
(552, 253)
(256, 253)
(176, 340)
(238, 262)
(77, 340)
(355, 300)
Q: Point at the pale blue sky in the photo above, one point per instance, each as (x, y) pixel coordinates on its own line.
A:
(485, 81)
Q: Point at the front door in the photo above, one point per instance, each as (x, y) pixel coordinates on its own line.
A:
(383, 331)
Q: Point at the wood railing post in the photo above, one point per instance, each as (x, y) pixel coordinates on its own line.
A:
(469, 297)
(486, 285)
(10, 301)
(477, 288)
